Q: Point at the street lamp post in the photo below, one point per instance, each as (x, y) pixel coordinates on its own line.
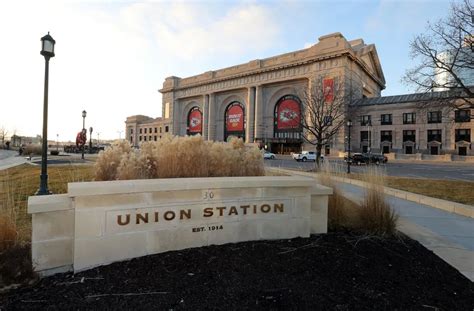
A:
(47, 50)
(84, 114)
(98, 140)
(120, 134)
(90, 140)
(57, 142)
(349, 125)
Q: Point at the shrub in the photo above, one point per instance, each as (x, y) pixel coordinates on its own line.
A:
(375, 214)
(32, 149)
(174, 157)
(8, 232)
(342, 213)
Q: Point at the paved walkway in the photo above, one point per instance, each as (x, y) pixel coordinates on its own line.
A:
(10, 158)
(448, 235)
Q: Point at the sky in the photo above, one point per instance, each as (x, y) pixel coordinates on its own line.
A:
(113, 56)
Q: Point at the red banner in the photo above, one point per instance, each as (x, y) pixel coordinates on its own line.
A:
(328, 87)
(288, 114)
(195, 121)
(235, 119)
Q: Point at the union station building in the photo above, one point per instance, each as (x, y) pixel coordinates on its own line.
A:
(261, 102)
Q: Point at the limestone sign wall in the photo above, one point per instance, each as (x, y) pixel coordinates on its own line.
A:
(98, 223)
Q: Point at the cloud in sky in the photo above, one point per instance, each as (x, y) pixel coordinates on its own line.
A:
(113, 56)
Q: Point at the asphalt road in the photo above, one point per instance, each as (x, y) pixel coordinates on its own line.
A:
(434, 170)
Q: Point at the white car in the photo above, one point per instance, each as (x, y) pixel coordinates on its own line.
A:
(306, 156)
(269, 155)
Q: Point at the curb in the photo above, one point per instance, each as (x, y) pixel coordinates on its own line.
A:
(449, 206)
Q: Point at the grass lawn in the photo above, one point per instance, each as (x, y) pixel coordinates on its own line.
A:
(18, 183)
(451, 190)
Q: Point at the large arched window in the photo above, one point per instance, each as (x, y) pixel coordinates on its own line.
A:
(194, 121)
(287, 118)
(234, 121)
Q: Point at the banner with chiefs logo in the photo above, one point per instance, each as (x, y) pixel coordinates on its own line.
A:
(195, 121)
(288, 113)
(328, 87)
(235, 118)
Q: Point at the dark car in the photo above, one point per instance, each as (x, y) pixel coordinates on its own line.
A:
(377, 158)
(367, 158)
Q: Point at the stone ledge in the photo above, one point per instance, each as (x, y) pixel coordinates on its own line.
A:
(48, 203)
(154, 185)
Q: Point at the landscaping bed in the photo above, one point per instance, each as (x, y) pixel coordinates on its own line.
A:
(339, 270)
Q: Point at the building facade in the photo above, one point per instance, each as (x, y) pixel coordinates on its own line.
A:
(411, 124)
(259, 102)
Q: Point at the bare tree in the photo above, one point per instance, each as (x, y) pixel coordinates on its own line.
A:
(323, 112)
(3, 134)
(445, 54)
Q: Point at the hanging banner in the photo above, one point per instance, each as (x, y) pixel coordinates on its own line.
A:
(195, 121)
(288, 113)
(328, 87)
(235, 118)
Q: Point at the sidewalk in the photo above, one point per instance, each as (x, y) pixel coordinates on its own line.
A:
(448, 235)
(11, 159)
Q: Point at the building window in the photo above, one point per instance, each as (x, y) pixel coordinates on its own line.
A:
(150, 131)
(131, 131)
(140, 131)
(364, 136)
(145, 130)
(434, 135)
(194, 121)
(156, 130)
(149, 138)
(139, 138)
(434, 117)
(131, 139)
(365, 120)
(155, 138)
(286, 118)
(161, 129)
(409, 135)
(463, 134)
(144, 138)
(166, 129)
(409, 118)
(462, 115)
(386, 119)
(386, 136)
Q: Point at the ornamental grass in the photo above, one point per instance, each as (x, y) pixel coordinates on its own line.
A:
(175, 157)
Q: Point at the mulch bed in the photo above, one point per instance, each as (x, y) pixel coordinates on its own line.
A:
(336, 271)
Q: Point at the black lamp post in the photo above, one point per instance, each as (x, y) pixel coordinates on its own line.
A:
(90, 139)
(84, 114)
(47, 50)
(349, 125)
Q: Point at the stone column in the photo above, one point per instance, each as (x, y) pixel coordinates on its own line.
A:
(212, 117)
(249, 131)
(258, 113)
(205, 117)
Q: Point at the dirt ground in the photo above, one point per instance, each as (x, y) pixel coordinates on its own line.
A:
(335, 271)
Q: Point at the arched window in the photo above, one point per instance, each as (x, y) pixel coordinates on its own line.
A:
(234, 121)
(287, 118)
(194, 121)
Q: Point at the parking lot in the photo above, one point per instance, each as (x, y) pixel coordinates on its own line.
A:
(433, 170)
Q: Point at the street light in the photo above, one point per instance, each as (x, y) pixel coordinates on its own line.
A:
(120, 134)
(90, 140)
(84, 114)
(349, 125)
(57, 142)
(47, 50)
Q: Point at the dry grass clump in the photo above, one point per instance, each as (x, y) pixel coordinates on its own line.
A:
(342, 213)
(174, 157)
(376, 215)
(32, 149)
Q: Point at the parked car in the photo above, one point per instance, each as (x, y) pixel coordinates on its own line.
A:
(306, 156)
(377, 158)
(269, 155)
(366, 158)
